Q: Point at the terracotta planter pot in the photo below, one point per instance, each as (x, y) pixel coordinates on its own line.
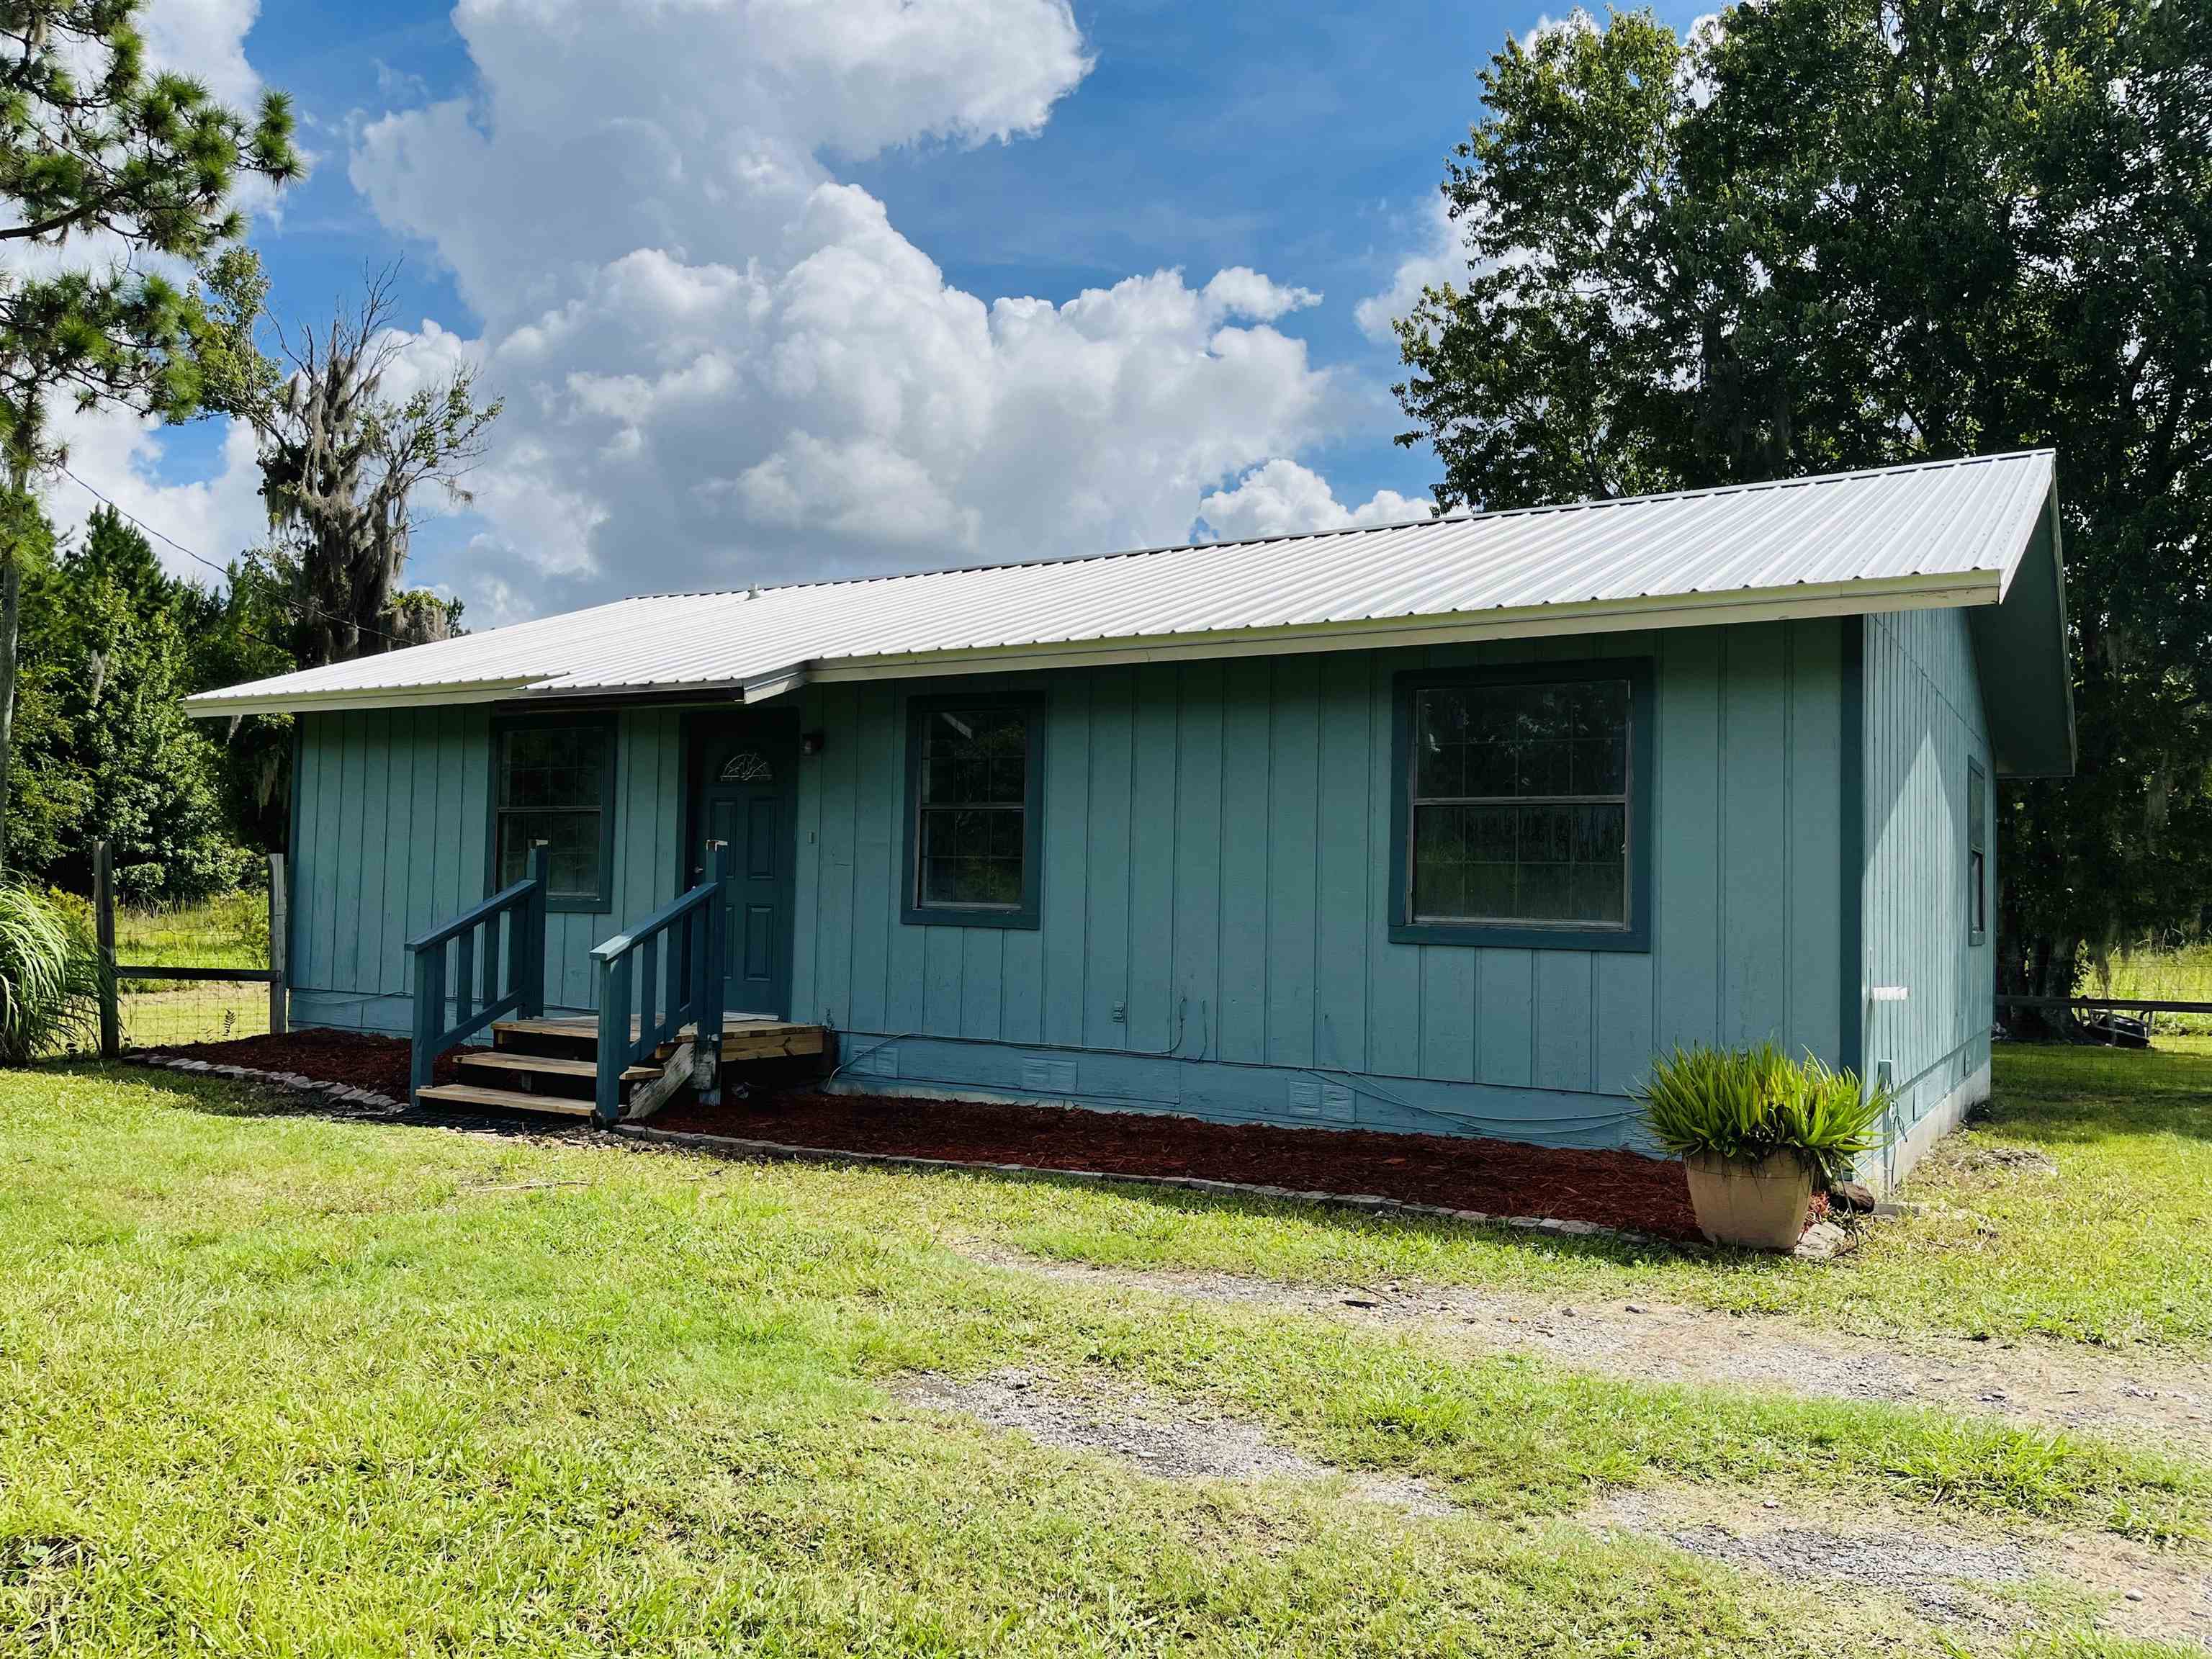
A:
(1761, 1206)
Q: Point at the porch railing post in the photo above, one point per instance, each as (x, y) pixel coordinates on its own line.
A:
(614, 1038)
(708, 1040)
(429, 1017)
(529, 958)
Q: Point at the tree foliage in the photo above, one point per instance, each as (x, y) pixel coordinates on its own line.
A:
(111, 644)
(96, 148)
(341, 459)
(94, 144)
(1831, 234)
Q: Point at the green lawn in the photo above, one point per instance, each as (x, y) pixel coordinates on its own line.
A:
(280, 1384)
(2117, 1248)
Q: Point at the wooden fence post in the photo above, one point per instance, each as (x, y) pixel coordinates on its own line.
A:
(103, 928)
(280, 1020)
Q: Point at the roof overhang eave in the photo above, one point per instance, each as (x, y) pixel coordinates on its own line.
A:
(223, 705)
(1941, 591)
(1979, 586)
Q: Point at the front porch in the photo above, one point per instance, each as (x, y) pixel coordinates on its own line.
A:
(553, 1065)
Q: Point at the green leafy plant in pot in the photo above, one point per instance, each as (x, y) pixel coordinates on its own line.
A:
(1754, 1130)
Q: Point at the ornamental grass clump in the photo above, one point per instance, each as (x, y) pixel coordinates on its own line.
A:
(51, 975)
(1744, 1105)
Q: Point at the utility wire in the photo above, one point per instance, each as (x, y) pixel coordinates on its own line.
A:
(223, 571)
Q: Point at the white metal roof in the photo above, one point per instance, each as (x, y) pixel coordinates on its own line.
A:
(1940, 533)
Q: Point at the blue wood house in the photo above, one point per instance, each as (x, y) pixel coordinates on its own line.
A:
(1444, 827)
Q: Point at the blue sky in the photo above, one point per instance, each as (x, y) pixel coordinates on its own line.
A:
(750, 273)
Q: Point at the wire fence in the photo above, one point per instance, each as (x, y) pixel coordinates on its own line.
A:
(207, 972)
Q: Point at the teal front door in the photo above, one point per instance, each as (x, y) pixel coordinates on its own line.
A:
(747, 796)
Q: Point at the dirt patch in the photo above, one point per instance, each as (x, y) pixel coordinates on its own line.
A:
(1968, 1574)
(1502, 1178)
(2037, 1382)
(2003, 1161)
(1152, 1438)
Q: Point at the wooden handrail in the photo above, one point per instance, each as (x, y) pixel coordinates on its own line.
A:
(483, 992)
(474, 918)
(648, 993)
(683, 904)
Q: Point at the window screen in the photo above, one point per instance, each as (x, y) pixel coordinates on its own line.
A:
(975, 797)
(552, 786)
(1520, 804)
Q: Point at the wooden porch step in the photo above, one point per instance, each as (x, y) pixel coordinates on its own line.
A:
(745, 1036)
(504, 1100)
(510, 1060)
(766, 1042)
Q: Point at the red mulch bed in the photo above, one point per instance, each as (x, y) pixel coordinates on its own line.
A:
(1500, 1178)
(359, 1058)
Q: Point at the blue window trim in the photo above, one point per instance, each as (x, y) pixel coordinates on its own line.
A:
(1026, 915)
(602, 901)
(1520, 935)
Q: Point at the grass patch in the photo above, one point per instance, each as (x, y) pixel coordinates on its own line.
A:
(2179, 973)
(2116, 1249)
(278, 1384)
(230, 929)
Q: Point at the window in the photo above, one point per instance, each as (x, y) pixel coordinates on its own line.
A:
(553, 780)
(974, 770)
(1517, 807)
(1978, 858)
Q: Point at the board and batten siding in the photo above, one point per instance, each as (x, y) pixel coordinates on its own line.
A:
(1923, 721)
(391, 839)
(1213, 932)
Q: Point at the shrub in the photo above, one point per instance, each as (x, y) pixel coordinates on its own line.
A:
(50, 973)
(1746, 1104)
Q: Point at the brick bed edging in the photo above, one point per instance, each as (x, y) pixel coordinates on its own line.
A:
(779, 1151)
(297, 1082)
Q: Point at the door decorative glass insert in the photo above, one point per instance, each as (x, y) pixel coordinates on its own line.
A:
(747, 766)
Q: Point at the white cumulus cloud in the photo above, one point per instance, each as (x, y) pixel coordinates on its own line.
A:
(1283, 498)
(723, 363)
(119, 455)
(1437, 261)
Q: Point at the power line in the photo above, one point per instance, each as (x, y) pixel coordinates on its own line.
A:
(223, 570)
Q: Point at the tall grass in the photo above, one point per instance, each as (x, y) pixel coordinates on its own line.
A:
(50, 973)
(228, 930)
(2176, 973)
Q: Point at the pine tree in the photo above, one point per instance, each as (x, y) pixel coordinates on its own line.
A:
(97, 150)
